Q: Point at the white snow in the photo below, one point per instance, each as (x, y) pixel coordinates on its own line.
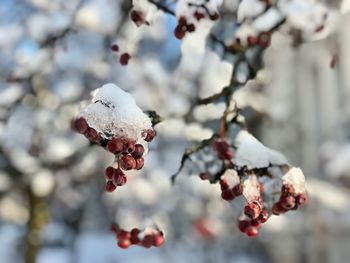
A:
(296, 178)
(253, 154)
(249, 9)
(149, 9)
(122, 117)
(251, 188)
(267, 20)
(231, 177)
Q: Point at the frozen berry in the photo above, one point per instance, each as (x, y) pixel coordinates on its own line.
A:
(139, 163)
(124, 244)
(134, 239)
(277, 209)
(198, 15)
(237, 190)
(301, 199)
(243, 225)
(138, 152)
(127, 162)
(287, 202)
(204, 176)
(287, 189)
(158, 240)
(252, 210)
(252, 231)
(191, 28)
(147, 241)
(224, 184)
(115, 48)
(214, 16)
(109, 172)
(252, 40)
(92, 135)
(120, 179)
(110, 186)
(137, 17)
(115, 146)
(264, 215)
(227, 195)
(123, 235)
(149, 135)
(124, 59)
(81, 125)
(179, 32)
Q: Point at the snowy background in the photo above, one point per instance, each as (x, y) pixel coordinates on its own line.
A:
(53, 207)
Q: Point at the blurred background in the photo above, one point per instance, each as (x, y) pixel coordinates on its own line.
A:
(53, 207)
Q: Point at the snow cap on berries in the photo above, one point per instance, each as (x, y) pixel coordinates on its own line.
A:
(296, 178)
(231, 178)
(114, 113)
(251, 188)
(253, 154)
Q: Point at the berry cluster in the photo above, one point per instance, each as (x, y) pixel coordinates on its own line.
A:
(142, 237)
(289, 200)
(263, 40)
(182, 27)
(128, 153)
(223, 149)
(124, 57)
(251, 225)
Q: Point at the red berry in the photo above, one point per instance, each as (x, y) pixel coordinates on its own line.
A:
(81, 125)
(158, 240)
(124, 59)
(120, 179)
(224, 184)
(204, 176)
(287, 202)
(252, 40)
(264, 215)
(124, 244)
(264, 40)
(115, 146)
(277, 209)
(179, 32)
(237, 190)
(134, 239)
(147, 241)
(214, 16)
(114, 228)
(110, 186)
(198, 15)
(301, 199)
(138, 152)
(115, 48)
(182, 21)
(149, 135)
(123, 235)
(252, 231)
(256, 222)
(287, 189)
(252, 210)
(129, 146)
(109, 172)
(127, 162)
(137, 17)
(92, 135)
(191, 28)
(243, 225)
(227, 195)
(139, 163)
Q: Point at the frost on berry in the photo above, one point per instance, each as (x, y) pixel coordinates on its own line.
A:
(114, 121)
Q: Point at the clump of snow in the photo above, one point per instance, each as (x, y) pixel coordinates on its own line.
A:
(231, 177)
(251, 188)
(253, 154)
(267, 20)
(113, 112)
(249, 9)
(296, 178)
